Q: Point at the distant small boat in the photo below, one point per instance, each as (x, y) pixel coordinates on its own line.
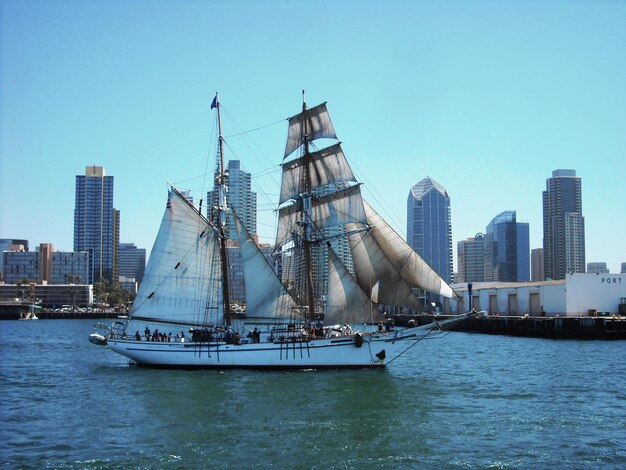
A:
(30, 315)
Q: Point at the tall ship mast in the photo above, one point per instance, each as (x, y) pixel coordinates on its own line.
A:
(221, 209)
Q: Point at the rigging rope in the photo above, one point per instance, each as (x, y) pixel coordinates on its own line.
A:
(256, 129)
(436, 328)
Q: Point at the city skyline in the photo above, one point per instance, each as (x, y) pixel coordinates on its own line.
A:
(488, 99)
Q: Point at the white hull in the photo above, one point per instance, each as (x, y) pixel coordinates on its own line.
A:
(331, 353)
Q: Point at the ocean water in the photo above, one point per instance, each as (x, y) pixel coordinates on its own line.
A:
(463, 401)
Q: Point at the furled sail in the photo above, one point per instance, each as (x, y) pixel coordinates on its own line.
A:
(180, 285)
(266, 297)
(385, 255)
(346, 303)
(326, 167)
(315, 122)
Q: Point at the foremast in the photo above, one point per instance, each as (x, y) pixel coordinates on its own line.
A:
(222, 211)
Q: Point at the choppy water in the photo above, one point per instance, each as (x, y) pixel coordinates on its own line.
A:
(463, 401)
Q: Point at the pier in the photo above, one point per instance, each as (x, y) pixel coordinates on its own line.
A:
(585, 328)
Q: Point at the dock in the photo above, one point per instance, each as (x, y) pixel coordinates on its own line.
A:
(562, 327)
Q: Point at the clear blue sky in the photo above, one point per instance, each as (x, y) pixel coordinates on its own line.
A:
(486, 97)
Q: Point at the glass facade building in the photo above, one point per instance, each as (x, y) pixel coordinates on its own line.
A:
(563, 225)
(507, 249)
(429, 227)
(96, 223)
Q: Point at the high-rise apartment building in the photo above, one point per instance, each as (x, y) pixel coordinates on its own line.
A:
(507, 249)
(240, 197)
(563, 225)
(429, 228)
(132, 261)
(96, 223)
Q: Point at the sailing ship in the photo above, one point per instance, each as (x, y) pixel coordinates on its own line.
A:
(341, 266)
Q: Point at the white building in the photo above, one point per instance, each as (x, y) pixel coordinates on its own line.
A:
(578, 294)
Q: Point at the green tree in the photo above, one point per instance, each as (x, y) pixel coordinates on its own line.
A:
(111, 293)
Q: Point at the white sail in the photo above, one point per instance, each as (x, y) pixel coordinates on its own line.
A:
(346, 303)
(327, 167)
(315, 122)
(334, 209)
(180, 284)
(266, 297)
(408, 266)
(377, 275)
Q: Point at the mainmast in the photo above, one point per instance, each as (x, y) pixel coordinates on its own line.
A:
(307, 216)
(222, 211)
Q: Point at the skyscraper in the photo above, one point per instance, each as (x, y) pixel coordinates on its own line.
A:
(563, 225)
(429, 228)
(471, 256)
(240, 197)
(537, 265)
(507, 249)
(96, 223)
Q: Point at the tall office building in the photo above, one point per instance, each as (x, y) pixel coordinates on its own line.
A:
(471, 257)
(507, 249)
(536, 258)
(429, 228)
(96, 223)
(563, 225)
(132, 261)
(523, 252)
(240, 197)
